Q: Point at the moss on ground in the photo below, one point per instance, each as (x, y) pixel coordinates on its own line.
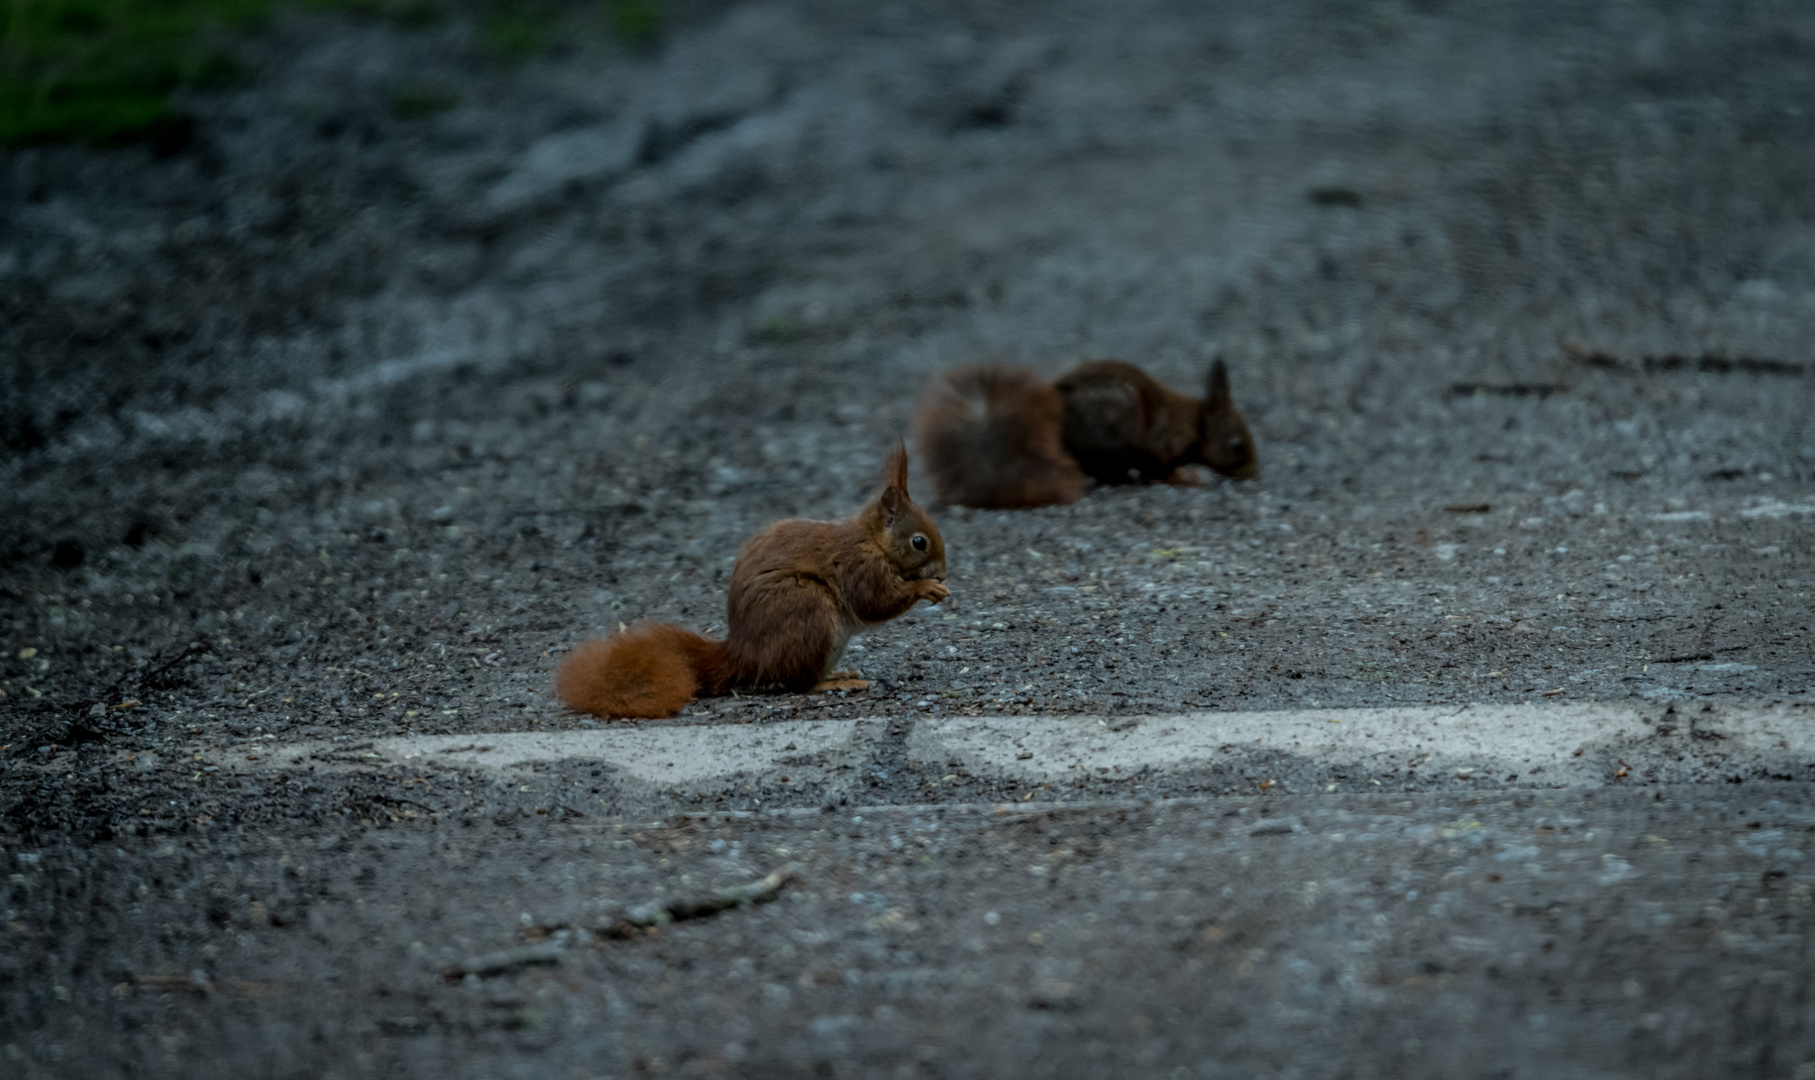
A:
(104, 71)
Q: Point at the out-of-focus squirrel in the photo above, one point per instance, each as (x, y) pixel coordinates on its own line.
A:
(1122, 425)
(799, 591)
(989, 436)
(1002, 437)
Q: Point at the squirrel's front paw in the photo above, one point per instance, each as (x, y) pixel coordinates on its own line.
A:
(933, 591)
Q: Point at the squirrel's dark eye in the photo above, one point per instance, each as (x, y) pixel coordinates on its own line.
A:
(919, 542)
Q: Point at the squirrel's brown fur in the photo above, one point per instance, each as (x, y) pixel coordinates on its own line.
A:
(799, 591)
(990, 437)
(1002, 437)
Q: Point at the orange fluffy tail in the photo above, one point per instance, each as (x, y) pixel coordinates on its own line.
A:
(648, 671)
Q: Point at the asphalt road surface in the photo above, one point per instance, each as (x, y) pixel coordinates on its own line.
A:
(1475, 738)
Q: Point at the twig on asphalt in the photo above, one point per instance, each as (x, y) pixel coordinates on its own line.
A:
(643, 916)
(193, 983)
(145, 675)
(628, 923)
(1542, 390)
(494, 963)
(1707, 362)
(1592, 357)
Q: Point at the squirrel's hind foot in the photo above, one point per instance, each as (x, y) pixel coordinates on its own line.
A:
(840, 680)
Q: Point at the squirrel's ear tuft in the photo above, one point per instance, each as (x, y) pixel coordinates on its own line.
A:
(895, 472)
(1218, 396)
(891, 500)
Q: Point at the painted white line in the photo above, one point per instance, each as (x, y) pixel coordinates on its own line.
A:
(1763, 508)
(1547, 745)
(660, 755)
(1555, 745)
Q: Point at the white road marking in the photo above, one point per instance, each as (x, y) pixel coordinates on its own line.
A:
(656, 755)
(1545, 745)
(1555, 745)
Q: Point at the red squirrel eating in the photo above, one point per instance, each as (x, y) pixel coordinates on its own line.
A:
(800, 590)
(1002, 437)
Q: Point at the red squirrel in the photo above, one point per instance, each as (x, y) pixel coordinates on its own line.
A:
(1002, 437)
(799, 591)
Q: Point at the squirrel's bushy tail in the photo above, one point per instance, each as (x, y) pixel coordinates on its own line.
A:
(648, 671)
(990, 437)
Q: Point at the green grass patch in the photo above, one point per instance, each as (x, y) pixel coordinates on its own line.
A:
(412, 13)
(418, 103)
(636, 23)
(103, 70)
(516, 31)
